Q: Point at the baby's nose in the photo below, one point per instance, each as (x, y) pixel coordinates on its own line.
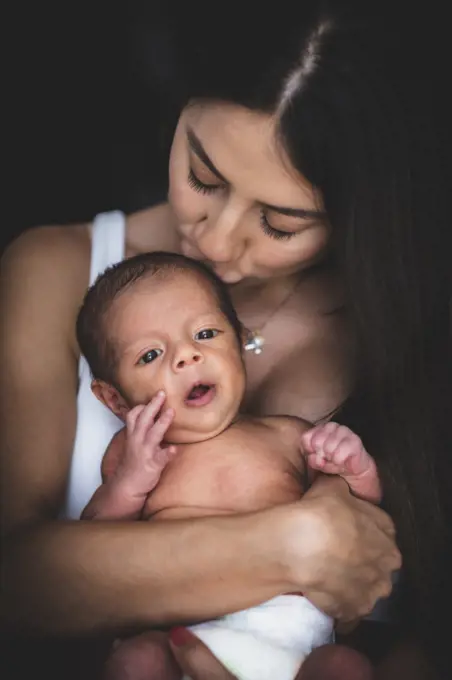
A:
(187, 356)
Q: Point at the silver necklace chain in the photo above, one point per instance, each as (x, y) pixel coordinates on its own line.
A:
(254, 339)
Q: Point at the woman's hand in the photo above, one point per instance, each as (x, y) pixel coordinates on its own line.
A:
(343, 553)
(342, 550)
(194, 658)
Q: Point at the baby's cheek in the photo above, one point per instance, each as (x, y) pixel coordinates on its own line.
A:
(142, 391)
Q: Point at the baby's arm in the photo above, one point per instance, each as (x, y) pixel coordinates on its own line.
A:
(133, 464)
(336, 450)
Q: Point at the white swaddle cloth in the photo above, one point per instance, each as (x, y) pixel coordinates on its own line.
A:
(267, 642)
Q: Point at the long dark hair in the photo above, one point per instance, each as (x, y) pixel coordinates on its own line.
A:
(347, 119)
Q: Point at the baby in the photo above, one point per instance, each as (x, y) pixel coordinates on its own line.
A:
(165, 349)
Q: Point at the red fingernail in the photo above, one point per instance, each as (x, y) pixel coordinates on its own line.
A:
(180, 636)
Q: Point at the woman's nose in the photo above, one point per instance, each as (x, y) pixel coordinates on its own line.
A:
(218, 238)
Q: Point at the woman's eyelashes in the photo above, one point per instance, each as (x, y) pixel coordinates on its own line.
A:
(277, 234)
(203, 188)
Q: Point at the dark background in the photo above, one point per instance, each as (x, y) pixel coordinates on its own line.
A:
(84, 129)
(84, 134)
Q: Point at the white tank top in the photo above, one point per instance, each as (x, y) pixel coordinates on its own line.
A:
(96, 425)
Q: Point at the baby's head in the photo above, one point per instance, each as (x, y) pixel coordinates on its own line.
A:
(162, 321)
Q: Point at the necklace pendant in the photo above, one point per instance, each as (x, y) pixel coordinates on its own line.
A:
(254, 342)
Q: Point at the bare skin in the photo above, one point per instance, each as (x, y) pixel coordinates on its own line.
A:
(253, 464)
(185, 451)
(38, 399)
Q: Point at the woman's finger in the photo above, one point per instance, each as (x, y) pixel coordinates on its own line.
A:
(196, 661)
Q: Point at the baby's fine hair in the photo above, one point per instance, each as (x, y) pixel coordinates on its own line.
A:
(95, 344)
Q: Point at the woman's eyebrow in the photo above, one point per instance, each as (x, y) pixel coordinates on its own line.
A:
(197, 148)
(302, 213)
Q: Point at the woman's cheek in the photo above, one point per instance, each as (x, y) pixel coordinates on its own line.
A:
(299, 251)
(312, 243)
(186, 204)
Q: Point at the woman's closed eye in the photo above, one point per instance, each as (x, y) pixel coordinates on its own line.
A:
(150, 356)
(206, 334)
(204, 188)
(277, 234)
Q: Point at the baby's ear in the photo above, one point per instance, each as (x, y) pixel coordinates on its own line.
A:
(110, 397)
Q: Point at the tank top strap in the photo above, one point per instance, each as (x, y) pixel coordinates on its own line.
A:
(108, 242)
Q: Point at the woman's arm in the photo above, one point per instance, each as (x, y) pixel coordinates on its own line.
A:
(59, 577)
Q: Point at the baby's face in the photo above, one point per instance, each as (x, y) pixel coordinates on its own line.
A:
(170, 334)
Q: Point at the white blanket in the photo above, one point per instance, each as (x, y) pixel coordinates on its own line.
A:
(268, 642)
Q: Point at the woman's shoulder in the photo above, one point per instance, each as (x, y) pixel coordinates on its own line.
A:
(58, 245)
(47, 269)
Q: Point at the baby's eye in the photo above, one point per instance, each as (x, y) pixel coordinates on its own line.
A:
(150, 356)
(206, 334)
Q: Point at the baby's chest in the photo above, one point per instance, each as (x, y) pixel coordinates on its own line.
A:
(238, 474)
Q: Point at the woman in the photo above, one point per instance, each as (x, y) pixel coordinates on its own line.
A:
(293, 172)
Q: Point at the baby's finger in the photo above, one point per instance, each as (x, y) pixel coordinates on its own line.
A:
(316, 461)
(156, 433)
(305, 442)
(307, 438)
(133, 416)
(344, 449)
(149, 413)
(164, 455)
(171, 452)
(334, 439)
(322, 434)
(351, 457)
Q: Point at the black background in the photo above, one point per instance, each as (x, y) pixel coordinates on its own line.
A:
(83, 129)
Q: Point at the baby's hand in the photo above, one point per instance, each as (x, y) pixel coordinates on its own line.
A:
(336, 450)
(145, 458)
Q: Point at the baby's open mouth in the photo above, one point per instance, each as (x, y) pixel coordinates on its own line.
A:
(200, 394)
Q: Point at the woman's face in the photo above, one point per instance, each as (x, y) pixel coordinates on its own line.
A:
(239, 204)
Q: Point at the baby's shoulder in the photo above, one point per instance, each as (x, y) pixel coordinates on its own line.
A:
(287, 427)
(286, 430)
